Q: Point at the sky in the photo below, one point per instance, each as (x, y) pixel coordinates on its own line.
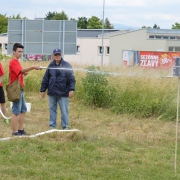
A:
(133, 13)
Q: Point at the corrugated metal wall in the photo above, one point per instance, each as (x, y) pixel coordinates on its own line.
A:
(42, 36)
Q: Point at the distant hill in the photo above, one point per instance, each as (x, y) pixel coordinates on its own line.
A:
(124, 27)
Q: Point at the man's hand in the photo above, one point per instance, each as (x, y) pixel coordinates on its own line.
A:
(37, 67)
(42, 94)
(30, 69)
(71, 93)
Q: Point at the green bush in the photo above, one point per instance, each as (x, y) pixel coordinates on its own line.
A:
(96, 89)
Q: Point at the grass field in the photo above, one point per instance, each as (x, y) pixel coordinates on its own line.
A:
(108, 146)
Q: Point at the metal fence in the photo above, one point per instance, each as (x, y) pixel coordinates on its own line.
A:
(40, 37)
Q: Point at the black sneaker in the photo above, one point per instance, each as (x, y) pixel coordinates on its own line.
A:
(23, 132)
(65, 128)
(16, 134)
(51, 127)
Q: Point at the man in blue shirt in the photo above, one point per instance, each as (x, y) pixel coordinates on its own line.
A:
(60, 82)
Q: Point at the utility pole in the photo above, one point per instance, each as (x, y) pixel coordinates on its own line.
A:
(102, 50)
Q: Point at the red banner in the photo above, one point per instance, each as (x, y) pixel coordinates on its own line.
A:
(157, 59)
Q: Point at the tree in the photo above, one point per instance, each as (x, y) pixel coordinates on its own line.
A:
(73, 19)
(82, 23)
(176, 26)
(50, 15)
(144, 27)
(107, 24)
(3, 23)
(18, 16)
(94, 23)
(156, 26)
(56, 16)
(60, 16)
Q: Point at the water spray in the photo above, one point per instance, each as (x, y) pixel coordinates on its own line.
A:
(130, 74)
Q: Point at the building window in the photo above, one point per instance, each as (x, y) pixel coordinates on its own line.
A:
(5, 46)
(177, 48)
(158, 37)
(151, 37)
(171, 48)
(100, 49)
(165, 37)
(78, 49)
(107, 50)
(178, 37)
(172, 37)
(174, 49)
(0, 45)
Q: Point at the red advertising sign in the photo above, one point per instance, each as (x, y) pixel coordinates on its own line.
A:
(157, 59)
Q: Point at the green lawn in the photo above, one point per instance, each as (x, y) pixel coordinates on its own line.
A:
(108, 146)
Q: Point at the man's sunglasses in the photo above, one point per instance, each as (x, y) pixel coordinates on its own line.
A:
(57, 54)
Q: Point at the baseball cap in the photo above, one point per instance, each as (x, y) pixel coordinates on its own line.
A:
(56, 51)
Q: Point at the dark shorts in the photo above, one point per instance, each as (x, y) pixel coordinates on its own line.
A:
(2, 97)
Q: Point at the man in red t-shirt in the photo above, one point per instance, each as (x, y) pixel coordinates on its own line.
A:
(2, 97)
(18, 108)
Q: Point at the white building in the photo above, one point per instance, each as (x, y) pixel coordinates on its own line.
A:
(143, 40)
(3, 43)
(89, 44)
(89, 47)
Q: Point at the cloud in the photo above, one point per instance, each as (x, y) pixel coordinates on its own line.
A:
(129, 12)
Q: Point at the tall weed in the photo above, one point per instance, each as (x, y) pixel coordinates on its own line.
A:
(145, 97)
(97, 92)
(136, 91)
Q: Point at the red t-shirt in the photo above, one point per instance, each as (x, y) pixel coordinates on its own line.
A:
(1, 73)
(15, 71)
